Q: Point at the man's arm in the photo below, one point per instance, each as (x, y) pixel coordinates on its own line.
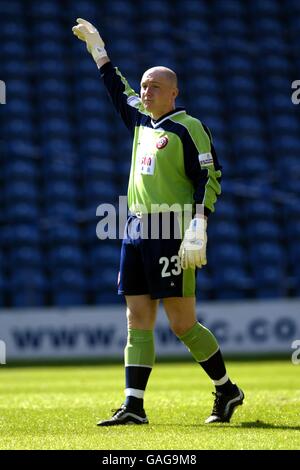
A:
(126, 101)
(202, 167)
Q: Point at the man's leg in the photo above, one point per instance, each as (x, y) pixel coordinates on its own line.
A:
(139, 359)
(203, 345)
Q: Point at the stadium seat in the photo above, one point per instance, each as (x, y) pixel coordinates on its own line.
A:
(63, 233)
(68, 287)
(27, 287)
(270, 282)
(22, 212)
(22, 235)
(231, 282)
(21, 190)
(26, 256)
(263, 230)
(24, 169)
(66, 256)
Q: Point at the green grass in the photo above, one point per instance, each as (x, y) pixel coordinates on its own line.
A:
(57, 408)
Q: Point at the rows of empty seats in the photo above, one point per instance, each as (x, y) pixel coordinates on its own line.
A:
(64, 151)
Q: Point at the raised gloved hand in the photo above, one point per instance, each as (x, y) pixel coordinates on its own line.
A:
(192, 250)
(88, 33)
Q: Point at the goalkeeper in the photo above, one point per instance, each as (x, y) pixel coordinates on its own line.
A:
(174, 165)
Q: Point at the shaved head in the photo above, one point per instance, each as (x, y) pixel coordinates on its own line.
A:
(167, 74)
(159, 90)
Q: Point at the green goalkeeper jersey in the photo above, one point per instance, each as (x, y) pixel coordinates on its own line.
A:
(174, 165)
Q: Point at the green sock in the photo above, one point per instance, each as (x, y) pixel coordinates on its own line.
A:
(139, 359)
(200, 342)
(140, 348)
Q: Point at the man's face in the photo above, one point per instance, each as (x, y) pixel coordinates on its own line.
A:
(158, 93)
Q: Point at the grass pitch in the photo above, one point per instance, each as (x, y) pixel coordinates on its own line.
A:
(58, 407)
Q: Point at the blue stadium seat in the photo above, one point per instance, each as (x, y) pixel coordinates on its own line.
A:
(293, 229)
(267, 8)
(13, 69)
(96, 127)
(267, 254)
(14, 29)
(19, 128)
(270, 282)
(263, 230)
(205, 285)
(27, 287)
(104, 286)
(63, 191)
(101, 191)
(231, 26)
(228, 209)
(22, 235)
(104, 254)
(61, 233)
(61, 168)
(49, 48)
(53, 87)
(99, 168)
(62, 211)
(23, 148)
(256, 165)
(258, 209)
(21, 190)
(14, 49)
(29, 256)
(239, 64)
(226, 254)
(53, 68)
(231, 282)
(46, 9)
(227, 231)
(192, 8)
(19, 108)
(57, 127)
(19, 89)
(22, 212)
(68, 287)
(85, 9)
(12, 9)
(21, 169)
(47, 29)
(88, 86)
(66, 256)
(3, 290)
(57, 107)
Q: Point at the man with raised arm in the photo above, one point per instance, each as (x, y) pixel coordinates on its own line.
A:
(174, 167)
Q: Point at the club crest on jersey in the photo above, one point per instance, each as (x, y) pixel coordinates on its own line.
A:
(163, 142)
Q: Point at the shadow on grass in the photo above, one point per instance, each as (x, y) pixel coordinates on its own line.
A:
(262, 425)
(247, 425)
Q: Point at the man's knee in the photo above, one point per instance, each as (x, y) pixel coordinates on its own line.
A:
(141, 313)
(181, 326)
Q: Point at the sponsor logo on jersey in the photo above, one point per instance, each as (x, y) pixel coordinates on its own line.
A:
(163, 142)
(205, 159)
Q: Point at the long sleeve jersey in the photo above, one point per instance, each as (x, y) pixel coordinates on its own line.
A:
(174, 163)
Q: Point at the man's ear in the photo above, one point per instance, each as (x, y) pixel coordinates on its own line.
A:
(176, 93)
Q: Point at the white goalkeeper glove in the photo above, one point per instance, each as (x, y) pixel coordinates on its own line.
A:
(192, 252)
(94, 42)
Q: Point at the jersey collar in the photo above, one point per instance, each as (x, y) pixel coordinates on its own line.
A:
(163, 118)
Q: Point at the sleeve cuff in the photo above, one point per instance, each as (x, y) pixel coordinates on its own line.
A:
(105, 68)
